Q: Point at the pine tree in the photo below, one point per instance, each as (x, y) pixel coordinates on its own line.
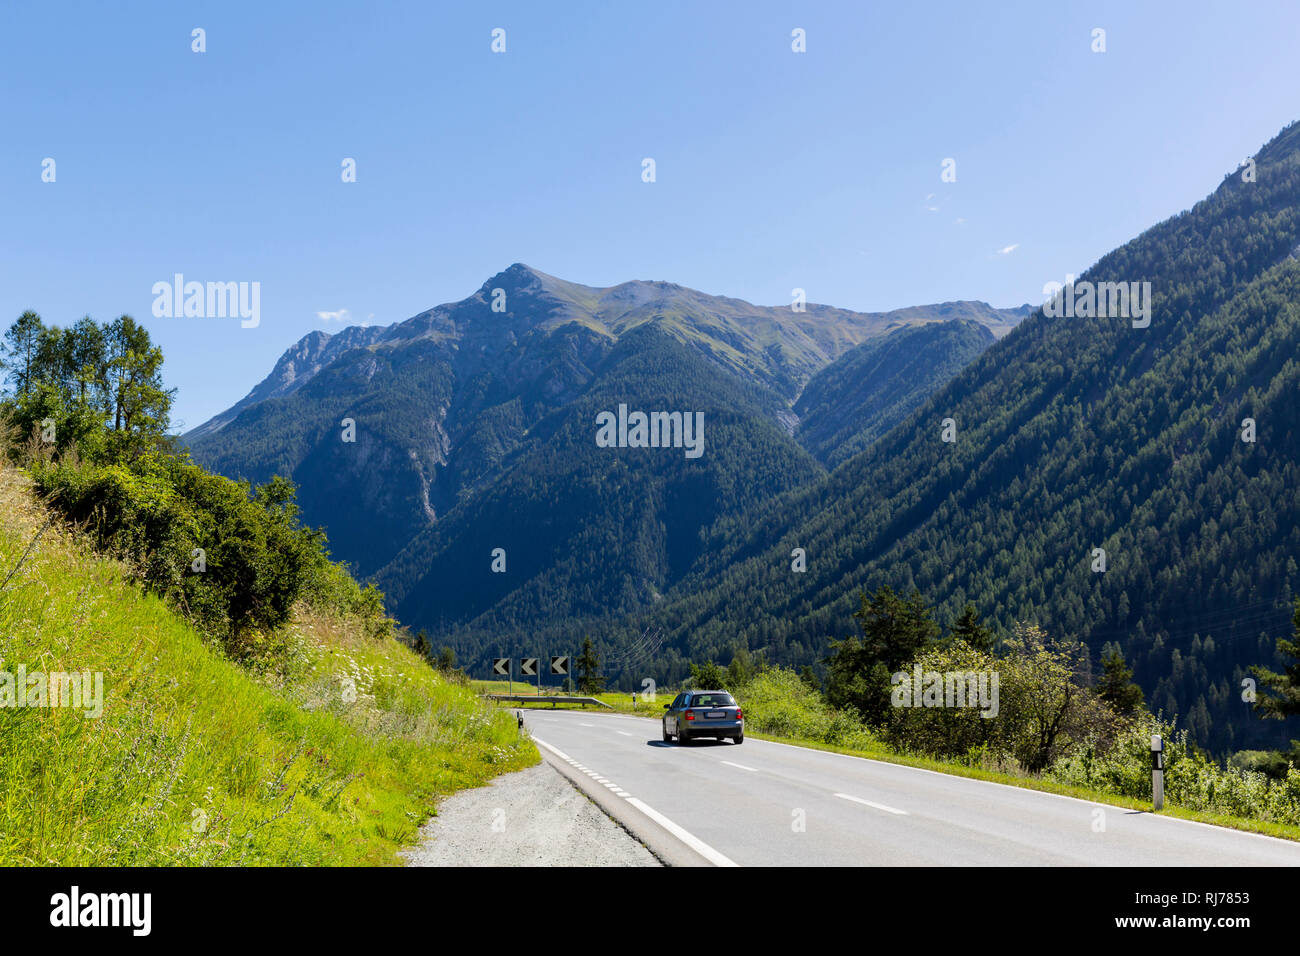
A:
(22, 343)
(589, 681)
(970, 629)
(1285, 687)
(1116, 686)
(809, 677)
(138, 403)
(894, 630)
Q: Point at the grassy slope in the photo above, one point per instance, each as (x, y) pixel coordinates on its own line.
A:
(194, 760)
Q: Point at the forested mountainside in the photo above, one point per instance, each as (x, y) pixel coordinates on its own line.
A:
(459, 402)
(869, 389)
(1074, 434)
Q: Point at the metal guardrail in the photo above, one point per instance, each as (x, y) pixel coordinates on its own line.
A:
(534, 699)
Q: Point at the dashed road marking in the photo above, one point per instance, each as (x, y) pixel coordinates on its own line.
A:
(740, 766)
(868, 803)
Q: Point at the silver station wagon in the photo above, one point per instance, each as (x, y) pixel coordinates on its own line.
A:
(704, 713)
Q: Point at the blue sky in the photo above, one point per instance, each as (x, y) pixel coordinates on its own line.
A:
(774, 169)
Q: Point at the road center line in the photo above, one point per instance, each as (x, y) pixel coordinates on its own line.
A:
(740, 766)
(878, 806)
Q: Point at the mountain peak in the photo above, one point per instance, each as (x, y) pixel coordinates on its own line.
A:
(777, 346)
(517, 274)
(512, 276)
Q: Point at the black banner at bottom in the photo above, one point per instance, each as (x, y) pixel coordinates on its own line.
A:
(632, 907)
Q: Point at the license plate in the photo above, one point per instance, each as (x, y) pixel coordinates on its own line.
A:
(715, 714)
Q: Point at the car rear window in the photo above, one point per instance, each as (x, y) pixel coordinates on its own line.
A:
(713, 700)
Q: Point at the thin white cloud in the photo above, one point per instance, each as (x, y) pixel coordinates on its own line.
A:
(342, 315)
(1007, 250)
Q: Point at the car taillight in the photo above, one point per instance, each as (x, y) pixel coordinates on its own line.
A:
(689, 715)
(740, 715)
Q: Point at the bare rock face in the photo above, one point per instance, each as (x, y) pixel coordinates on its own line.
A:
(294, 369)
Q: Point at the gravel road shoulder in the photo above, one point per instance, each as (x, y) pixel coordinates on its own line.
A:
(532, 817)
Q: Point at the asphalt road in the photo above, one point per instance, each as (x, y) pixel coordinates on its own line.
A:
(768, 804)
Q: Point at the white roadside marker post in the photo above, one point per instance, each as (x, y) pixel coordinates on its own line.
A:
(1157, 772)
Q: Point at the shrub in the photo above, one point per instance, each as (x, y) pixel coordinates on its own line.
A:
(944, 731)
(1045, 711)
(1192, 780)
(778, 702)
(1042, 710)
(1271, 763)
(233, 558)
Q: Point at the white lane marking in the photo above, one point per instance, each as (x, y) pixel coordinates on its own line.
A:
(740, 766)
(959, 780)
(878, 806)
(690, 839)
(624, 733)
(555, 750)
(586, 725)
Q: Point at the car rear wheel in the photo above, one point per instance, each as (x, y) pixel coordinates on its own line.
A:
(739, 738)
(682, 738)
(667, 735)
